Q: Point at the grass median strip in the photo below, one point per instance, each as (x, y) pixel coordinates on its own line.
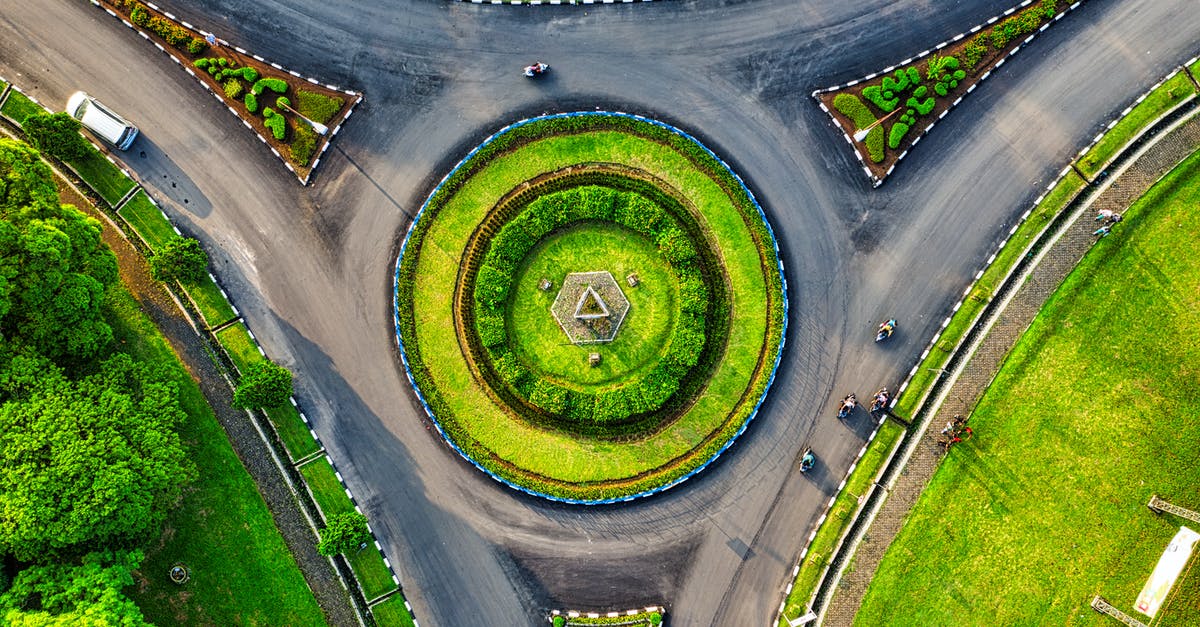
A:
(392, 613)
(1168, 95)
(373, 575)
(212, 304)
(292, 431)
(242, 349)
(1090, 414)
(841, 515)
(147, 220)
(106, 179)
(1058, 198)
(18, 106)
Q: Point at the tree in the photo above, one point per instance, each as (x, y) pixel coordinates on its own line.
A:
(344, 533)
(86, 463)
(56, 134)
(180, 259)
(87, 594)
(53, 265)
(263, 385)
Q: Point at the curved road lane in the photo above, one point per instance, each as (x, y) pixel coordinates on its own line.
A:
(311, 267)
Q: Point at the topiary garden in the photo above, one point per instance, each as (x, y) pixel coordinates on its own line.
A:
(901, 104)
(591, 306)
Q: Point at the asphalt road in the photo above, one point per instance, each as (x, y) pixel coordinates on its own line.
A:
(311, 267)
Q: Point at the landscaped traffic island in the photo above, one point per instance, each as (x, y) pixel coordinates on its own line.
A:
(591, 306)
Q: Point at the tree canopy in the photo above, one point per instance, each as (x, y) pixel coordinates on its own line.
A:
(87, 594)
(180, 259)
(56, 134)
(88, 463)
(53, 265)
(264, 384)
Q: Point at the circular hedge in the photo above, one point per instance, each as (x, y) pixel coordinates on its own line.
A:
(590, 193)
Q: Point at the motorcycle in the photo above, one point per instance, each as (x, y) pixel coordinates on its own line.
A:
(846, 406)
(537, 69)
(886, 330)
(881, 400)
(808, 460)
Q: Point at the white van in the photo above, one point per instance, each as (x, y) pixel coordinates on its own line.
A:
(100, 120)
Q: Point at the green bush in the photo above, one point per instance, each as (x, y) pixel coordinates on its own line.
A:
(139, 15)
(895, 86)
(276, 122)
(850, 106)
(923, 107)
(896, 135)
(914, 76)
(874, 143)
(265, 384)
(317, 107)
(304, 143)
(223, 62)
(251, 102)
(873, 93)
(234, 88)
(276, 85)
(655, 619)
(249, 74)
(345, 532)
(282, 102)
(975, 50)
(202, 63)
(196, 45)
(180, 259)
(56, 134)
(940, 89)
(1049, 8)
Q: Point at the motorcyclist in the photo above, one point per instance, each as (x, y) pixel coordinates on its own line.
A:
(847, 405)
(807, 461)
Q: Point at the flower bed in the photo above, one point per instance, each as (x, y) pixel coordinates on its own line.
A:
(899, 105)
(280, 106)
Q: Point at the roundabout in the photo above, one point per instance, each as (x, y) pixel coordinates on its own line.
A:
(590, 306)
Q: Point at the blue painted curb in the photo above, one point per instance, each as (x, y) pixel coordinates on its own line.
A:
(421, 397)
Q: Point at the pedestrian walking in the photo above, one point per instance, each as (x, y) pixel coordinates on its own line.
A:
(1102, 231)
(1105, 215)
(1115, 218)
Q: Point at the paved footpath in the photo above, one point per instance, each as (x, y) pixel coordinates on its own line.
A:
(975, 377)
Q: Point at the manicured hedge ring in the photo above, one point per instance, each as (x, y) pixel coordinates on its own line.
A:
(450, 269)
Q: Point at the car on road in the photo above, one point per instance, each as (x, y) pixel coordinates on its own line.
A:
(101, 120)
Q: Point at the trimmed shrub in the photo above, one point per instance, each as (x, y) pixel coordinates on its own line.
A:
(639, 214)
(139, 15)
(874, 94)
(251, 102)
(317, 107)
(196, 45)
(853, 108)
(202, 63)
(975, 49)
(914, 76)
(675, 246)
(492, 286)
(304, 143)
(282, 102)
(896, 135)
(274, 84)
(896, 86)
(923, 107)
(940, 89)
(234, 88)
(874, 143)
(549, 397)
(958, 76)
(224, 62)
(490, 327)
(249, 74)
(1049, 8)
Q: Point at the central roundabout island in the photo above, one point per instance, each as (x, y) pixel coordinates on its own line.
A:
(590, 306)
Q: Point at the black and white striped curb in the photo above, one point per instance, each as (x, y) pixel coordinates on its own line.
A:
(634, 612)
(555, 2)
(220, 98)
(848, 135)
(1179, 105)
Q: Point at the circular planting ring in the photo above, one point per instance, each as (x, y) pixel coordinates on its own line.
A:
(590, 306)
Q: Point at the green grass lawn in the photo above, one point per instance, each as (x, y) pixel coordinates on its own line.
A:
(641, 340)
(1055, 200)
(1156, 103)
(1092, 413)
(839, 519)
(146, 219)
(392, 613)
(102, 176)
(373, 575)
(292, 431)
(210, 302)
(242, 573)
(560, 456)
(242, 349)
(18, 106)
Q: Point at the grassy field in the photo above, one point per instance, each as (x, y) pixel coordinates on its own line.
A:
(239, 346)
(839, 519)
(18, 106)
(556, 455)
(1091, 414)
(146, 219)
(373, 575)
(242, 573)
(1051, 204)
(1156, 103)
(542, 344)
